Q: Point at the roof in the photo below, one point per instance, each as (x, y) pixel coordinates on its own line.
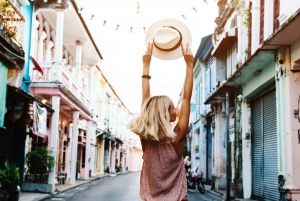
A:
(205, 47)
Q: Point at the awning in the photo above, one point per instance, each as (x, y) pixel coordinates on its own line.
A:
(224, 43)
(36, 65)
(30, 98)
(111, 138)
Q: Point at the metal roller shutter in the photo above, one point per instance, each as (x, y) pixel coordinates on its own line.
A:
(264, 158)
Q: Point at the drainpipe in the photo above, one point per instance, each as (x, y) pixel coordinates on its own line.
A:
(228, 149)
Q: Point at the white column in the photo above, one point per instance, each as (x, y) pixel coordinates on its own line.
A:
(40, 50)
(255, 25)
(53, 138)
(74, 147)
(123, 161)
(246, 150)
(78, 59)
(49, 46)
(101, 156)
(87, 150)
(60, 14)
(118, 154)
(283, 11)
(91, 80)
(113, 158)
(268, 18)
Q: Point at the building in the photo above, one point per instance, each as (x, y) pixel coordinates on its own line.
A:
(257, 56)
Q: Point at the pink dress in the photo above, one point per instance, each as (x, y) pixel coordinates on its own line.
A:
(163, 174)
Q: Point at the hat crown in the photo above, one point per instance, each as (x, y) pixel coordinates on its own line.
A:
(166, 37)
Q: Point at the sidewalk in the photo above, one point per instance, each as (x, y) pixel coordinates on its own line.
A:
(222, 194)
(32, 196)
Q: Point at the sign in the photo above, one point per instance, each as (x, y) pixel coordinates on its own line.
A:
(39, 120)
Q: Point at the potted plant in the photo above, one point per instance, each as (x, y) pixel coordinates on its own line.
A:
(9, 179)
(39, 162)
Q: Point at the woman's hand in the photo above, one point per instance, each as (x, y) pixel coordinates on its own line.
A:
(188, 55)
(147, 55)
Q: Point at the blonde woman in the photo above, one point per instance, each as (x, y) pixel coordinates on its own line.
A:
(163, 176)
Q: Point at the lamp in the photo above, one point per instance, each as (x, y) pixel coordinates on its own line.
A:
(71, 123)
(256, 73)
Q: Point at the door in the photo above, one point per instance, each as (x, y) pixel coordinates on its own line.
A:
(264, 148)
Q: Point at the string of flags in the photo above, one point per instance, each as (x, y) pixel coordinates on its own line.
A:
(105, 22)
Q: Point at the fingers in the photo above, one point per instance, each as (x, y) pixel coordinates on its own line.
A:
(182, 48)
(187, 47)
(149, 48)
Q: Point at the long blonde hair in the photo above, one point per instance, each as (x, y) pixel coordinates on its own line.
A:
(153, 122)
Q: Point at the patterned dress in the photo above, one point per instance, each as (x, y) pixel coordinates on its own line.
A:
(163, 174)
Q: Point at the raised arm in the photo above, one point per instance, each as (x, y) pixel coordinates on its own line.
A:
(146, 70)
(183, 122)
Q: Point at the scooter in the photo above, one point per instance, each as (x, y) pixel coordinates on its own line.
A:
(194, 180)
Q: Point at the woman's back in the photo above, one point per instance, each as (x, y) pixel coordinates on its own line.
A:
(163, 175)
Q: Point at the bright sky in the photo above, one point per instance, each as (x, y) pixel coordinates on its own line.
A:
(122, 50)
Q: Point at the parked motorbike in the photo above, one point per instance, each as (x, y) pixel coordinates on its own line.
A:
(194, 180)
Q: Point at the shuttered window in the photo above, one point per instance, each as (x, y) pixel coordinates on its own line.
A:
(276, 14)
(262, 19)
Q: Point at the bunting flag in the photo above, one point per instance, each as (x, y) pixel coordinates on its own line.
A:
(130, 28)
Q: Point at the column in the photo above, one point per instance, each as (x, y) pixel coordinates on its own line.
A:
(283, 8)
(255, 25)
(78, 59)
(74, 147)
(88, 150)
(40, 50)
(118, 154)
(49, 46)
(123, 161)
(101, 156)
(54, 138)
(113, 158)
(268, 18)
(60, 14)
(91, 80)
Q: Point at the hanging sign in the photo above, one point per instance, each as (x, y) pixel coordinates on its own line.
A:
(39, 120)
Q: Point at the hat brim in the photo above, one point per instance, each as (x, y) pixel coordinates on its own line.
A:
(177, 53)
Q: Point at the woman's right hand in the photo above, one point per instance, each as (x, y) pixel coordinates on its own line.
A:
(147, 55)
(188, 55)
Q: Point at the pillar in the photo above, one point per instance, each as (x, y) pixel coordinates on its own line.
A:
(88, 150)
(40, 50)
(74, 147)
(101, 156)
(255, 25)
(113, 158)
(54, 138)
(49, 46)
(91, 80)
(78, 59)
(60, 14)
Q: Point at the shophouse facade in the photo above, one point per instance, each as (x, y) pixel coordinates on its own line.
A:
(258, 54)
(65, 51)
(16, 110)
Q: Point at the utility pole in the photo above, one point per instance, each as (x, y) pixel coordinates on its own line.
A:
(227, 149)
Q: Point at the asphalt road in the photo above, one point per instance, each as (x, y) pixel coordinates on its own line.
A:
(124, 187)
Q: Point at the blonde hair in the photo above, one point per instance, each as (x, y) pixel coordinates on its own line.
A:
(153, 122)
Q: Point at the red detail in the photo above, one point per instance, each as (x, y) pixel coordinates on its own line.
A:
(36, 65)
(262, 21)
(276, 15)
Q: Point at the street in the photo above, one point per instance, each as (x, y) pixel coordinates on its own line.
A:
(123, 187)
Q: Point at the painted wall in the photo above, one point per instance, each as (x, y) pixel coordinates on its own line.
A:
(26, 41)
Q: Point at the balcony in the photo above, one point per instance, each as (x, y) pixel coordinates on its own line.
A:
(11, 22)
(65, 77)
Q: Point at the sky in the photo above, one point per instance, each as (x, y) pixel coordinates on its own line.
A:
(122, 50)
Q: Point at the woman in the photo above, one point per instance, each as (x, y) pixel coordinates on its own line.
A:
(163, 175)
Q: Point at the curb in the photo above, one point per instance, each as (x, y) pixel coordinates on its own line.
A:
(215, 193)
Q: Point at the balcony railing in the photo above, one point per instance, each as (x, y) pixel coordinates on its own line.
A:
(65, 77)
(11, 21)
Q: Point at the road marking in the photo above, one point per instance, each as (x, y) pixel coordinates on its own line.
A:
(57, 199)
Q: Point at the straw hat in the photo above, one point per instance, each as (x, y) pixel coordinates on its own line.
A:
(167, 36)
